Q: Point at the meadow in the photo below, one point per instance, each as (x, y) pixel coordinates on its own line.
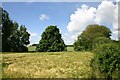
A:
(32, 48)
(67, 64)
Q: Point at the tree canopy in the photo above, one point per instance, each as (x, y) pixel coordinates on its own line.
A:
(15, 38)
(51, 40)
(85, 40)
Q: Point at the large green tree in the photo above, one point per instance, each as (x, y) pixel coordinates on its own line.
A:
(51, 40)
(14, 37)
(85, 40)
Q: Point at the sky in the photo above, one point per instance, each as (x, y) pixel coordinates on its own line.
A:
(70, 17)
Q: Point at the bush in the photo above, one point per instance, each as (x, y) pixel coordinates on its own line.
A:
(107, 60)
(100, 40)
(78, 46)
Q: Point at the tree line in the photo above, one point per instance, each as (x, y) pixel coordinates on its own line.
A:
(15, 37)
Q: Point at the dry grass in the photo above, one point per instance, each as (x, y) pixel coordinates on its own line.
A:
(0, 65)
(47, 65)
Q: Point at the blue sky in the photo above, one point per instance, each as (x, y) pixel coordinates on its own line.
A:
(36, 16)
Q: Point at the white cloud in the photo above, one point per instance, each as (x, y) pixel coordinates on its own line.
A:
(84, 6)
(81, 18)
(74, 36)
(117, 0)
(105, 14)
(44, 17)
(114, 35)
(115, 22)
(60, 31)
(33, 34)
(69, 38)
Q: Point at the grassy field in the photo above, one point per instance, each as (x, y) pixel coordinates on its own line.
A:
(33, 48)
(70, 49)
(47, 65)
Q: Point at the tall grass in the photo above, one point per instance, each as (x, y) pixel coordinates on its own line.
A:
(47, 65)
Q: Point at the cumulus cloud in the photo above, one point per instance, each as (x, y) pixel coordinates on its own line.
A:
(105, 14)
(81, 18)
(44, 17)
(69, 38)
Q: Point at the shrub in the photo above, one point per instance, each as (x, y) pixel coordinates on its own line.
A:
(107, 60)
(100, 40)
(78, 46)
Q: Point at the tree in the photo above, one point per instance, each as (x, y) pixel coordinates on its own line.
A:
(20, 39)
(6, 31)
(86, 38)
(14, 37)
(51, 40)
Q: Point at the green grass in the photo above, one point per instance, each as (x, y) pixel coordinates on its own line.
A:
(47, 65)
(70, 49)
(32, 48)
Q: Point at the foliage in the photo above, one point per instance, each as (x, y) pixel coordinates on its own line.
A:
(100, 40)
(51, 40)
(107, 60)
(85, 40)
(117, 42)
(15, 38)
(79, 45)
